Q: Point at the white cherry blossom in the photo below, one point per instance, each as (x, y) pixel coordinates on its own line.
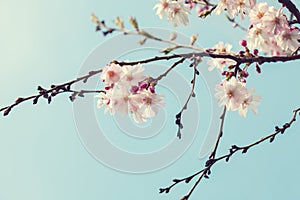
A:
(250, 101)
(274, 20)
(105, 101)
(176, 11)
(221, 63)
(258, 38)
(230, 93)
(162, 8)
(235, 7)
(132, 75)
(151, 103)
(257, 13)
(288, 40)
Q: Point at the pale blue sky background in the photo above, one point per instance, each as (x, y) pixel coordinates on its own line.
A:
(42, 157)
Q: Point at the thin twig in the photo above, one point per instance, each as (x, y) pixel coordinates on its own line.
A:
(109, 30)
(168, 70)
(53, 91)
(192, 94)
(235, 24)
(222, 117)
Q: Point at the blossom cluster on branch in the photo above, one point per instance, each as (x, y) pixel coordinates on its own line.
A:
(271, 37)
(127, 90)
(270, 31)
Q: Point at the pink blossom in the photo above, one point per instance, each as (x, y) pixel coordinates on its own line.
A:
(111, 74)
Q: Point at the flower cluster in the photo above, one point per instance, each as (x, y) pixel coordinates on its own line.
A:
(221, 63)
(234, 95)
(235, 7)
(270, 31)
(127, 91)
(176, 11)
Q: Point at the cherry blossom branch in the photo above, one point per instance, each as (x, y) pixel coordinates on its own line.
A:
(208, 53)
(291, 7)
(101, 26)
(53, 91)
(205, 172)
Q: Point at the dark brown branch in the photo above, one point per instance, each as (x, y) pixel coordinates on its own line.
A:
(53, 91)
(291, 7)
(205, 172)
(239, 60)
(293, 22)
(156, 58)
(222, 117)
(168, 70)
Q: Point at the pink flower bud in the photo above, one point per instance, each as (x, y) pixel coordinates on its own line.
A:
(144, 85)
(243, 43)
(134, 89)
(107, 87)
(258, 69)
(255, 52)
(245, 74)
(243, 80)
(152, 89)
(223, 73)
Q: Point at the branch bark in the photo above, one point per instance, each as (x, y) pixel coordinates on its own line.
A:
(292, 8)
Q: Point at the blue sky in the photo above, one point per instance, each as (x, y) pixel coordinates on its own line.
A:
(41, 148)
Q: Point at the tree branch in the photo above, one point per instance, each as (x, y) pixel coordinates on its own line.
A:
(291, 7)
(53, 91)
(205, 172)
(222, 117)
